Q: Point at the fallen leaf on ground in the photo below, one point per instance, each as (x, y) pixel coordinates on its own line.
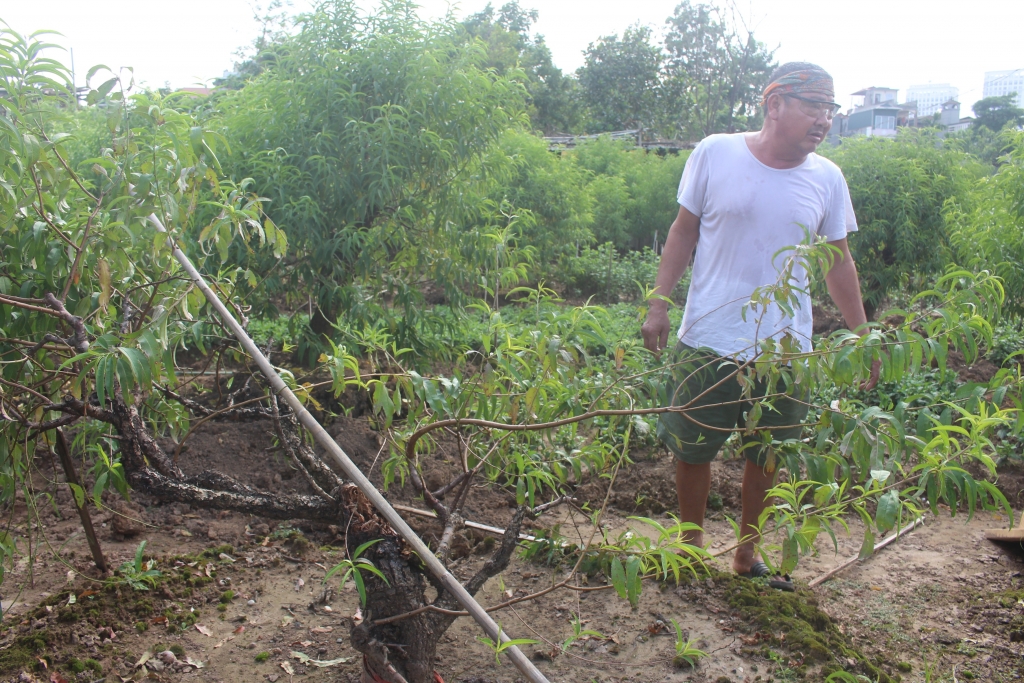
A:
(226, 557)
(144, 658)
(322, 629)
(288, 668)
(205, 631)
(209, 571)
(56, 677)
(302, 643)
(192, 662)
(158, 620)
(286, 620)
(228, 639)
(240, 629)
(299, 584)
(309, 661)
(85, 594)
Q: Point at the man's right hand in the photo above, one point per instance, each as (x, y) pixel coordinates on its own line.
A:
(656, 328)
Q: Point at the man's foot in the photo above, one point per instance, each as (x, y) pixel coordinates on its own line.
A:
(780, 582)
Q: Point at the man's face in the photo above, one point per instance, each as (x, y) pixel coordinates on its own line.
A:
(801, 123)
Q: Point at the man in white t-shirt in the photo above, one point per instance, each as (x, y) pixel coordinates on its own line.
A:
(743, 198)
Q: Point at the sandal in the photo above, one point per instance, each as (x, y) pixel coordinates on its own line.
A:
(778, 582)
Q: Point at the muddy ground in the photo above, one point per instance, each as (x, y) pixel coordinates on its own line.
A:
(943, 604)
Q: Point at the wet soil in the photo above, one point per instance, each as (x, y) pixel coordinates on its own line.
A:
(943, 604)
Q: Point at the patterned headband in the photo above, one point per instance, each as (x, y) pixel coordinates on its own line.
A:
(809, 80)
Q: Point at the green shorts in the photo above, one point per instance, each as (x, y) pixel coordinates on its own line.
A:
(718, 406)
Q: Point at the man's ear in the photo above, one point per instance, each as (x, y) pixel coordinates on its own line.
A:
(773, 107)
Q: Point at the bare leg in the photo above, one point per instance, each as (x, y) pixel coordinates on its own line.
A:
(756, 482)
(693, 483)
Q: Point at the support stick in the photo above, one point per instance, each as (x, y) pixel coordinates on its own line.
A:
(451, 584)
(854, 560)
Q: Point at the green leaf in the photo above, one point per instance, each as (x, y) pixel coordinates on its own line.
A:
(619, 577)
(887, 511)
(633, 580)
(78, 493)
(790, 552)
(867, 548)
(360, 587)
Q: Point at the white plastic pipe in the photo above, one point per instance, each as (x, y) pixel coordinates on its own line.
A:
(450, 583)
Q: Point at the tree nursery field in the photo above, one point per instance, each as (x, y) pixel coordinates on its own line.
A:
(362, 229)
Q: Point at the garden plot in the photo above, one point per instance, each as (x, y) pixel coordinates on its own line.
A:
(246, 598)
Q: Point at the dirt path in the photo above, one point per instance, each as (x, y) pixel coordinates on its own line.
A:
(943, 599)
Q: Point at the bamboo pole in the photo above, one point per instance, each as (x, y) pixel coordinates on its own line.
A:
(525, 666)
(854, 560)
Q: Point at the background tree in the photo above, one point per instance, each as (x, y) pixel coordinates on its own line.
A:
(554, 101)
(365, 135)
(995, 113)
(900, 189)
(714, 73)
(620, 80)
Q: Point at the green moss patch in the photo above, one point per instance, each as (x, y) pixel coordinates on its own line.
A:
(795, 622)
(26, 651)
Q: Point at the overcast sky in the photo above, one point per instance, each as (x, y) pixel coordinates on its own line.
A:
(865, 43)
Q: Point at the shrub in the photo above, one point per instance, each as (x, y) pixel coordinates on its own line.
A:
(608, 276)
(988, 232)
(900, 189)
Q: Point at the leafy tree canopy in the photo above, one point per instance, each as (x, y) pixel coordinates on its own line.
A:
(365, 135)
(620, 80)
(714, 73)
(553, 96)
(995, 113)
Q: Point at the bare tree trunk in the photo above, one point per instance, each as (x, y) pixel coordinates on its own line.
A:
(83, 510)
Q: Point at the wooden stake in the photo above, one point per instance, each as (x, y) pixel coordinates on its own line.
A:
(854, 560)
(83, 510)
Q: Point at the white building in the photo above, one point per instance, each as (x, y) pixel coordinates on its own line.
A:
(930, 97)
(999, 83)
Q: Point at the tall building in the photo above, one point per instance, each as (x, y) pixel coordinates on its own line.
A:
(930, 97)
(999, 83)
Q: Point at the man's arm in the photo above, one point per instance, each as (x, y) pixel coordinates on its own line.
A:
(844, 288)
(675, 258)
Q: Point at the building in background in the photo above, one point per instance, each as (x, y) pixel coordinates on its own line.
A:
(999, 83)
(876, 114)
(950, 119)
(929, 98)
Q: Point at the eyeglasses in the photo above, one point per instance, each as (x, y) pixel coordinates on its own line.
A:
(816, 107)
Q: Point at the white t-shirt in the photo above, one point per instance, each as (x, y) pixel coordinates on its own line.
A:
(748, 212)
